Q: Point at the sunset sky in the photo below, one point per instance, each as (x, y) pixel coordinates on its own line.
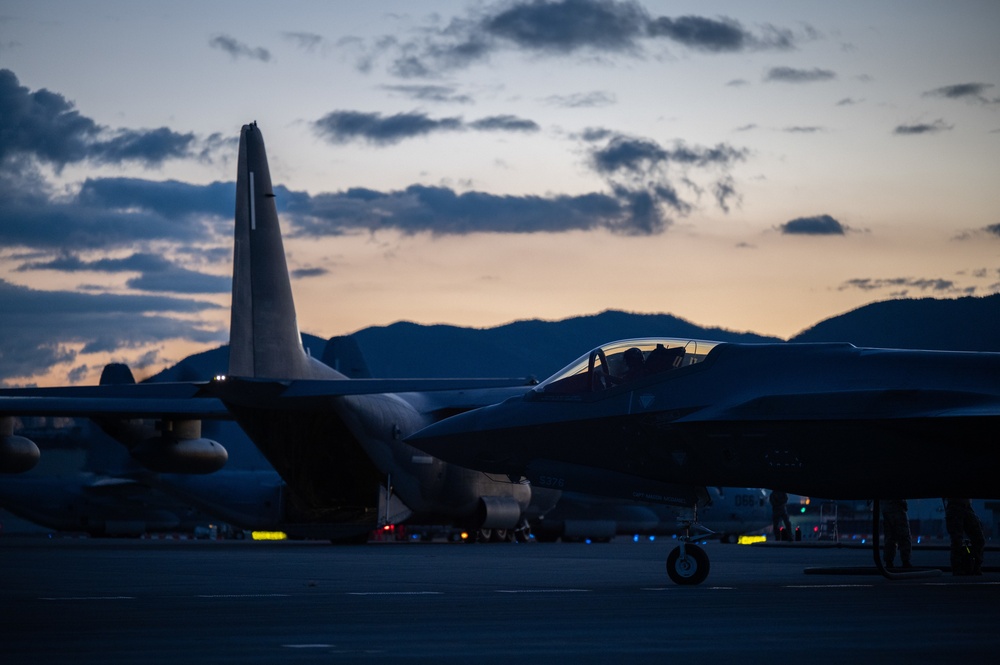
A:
(753, 166)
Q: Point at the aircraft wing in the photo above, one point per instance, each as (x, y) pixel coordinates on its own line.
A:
(314, 393)
(177, 400)
(199, 400)
(854, 404)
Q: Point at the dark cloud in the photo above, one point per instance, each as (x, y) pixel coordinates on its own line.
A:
(564, 27)
(993, 229)
(44, 126)
(157, 273)
(43, 327)
(170, 198)
(582, 100)
(644, 173)
(237, 49)
(151, 147)
(804, 130)
(724, 191)
(505, 123)
(111, 212)
(594, 134)
(441, 210)
(430, 93)
(570, 25)
(819, 225)
(718, 35)
(307, 41)
(345, 126)
(303, 273)
(792, 75)
(175, 279)
(903, 285)
(627, 154)
(922, 128)
(972, 92)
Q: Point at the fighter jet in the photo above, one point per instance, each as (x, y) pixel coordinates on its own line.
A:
(829, 420)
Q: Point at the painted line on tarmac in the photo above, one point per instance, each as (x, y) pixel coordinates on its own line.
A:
(956, 583)
(541, 590)
(671, 588)
(242, 595)
(395, 593)
(87, 598)
(828, 586)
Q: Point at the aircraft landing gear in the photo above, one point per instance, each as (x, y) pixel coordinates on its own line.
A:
(687, 564)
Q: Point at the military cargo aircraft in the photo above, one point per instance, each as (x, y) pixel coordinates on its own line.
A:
(338, 444)
(827, 420)
(87, 483)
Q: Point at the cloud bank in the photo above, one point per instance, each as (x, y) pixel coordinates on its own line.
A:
(563, 28)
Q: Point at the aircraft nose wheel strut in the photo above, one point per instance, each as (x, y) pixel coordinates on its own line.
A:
(687, 563)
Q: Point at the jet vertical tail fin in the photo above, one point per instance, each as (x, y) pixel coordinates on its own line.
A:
(264, 339)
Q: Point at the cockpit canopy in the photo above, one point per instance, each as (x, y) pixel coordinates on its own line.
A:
(622, 362)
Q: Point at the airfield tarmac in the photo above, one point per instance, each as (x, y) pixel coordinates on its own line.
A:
(159, 601)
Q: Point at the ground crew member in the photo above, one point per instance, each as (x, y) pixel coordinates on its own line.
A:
(779, 514)
(896, 527)
(962, 522)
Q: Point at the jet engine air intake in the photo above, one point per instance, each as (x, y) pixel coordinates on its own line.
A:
(498, 512)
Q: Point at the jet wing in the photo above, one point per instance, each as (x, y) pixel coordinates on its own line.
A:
(866, 404)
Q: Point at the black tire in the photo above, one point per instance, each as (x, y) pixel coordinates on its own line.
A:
(691, 569)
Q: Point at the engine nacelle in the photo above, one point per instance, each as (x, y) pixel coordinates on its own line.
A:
(498, 512)
(17, 454)
(168, 454)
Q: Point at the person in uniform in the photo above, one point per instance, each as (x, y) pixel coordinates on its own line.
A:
(779, 514)
(896, 527)
(962, 522)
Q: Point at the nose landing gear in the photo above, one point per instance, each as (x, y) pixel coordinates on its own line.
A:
(687, 564)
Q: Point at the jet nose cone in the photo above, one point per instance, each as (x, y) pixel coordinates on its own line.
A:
(472, 439)
(451, 439)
